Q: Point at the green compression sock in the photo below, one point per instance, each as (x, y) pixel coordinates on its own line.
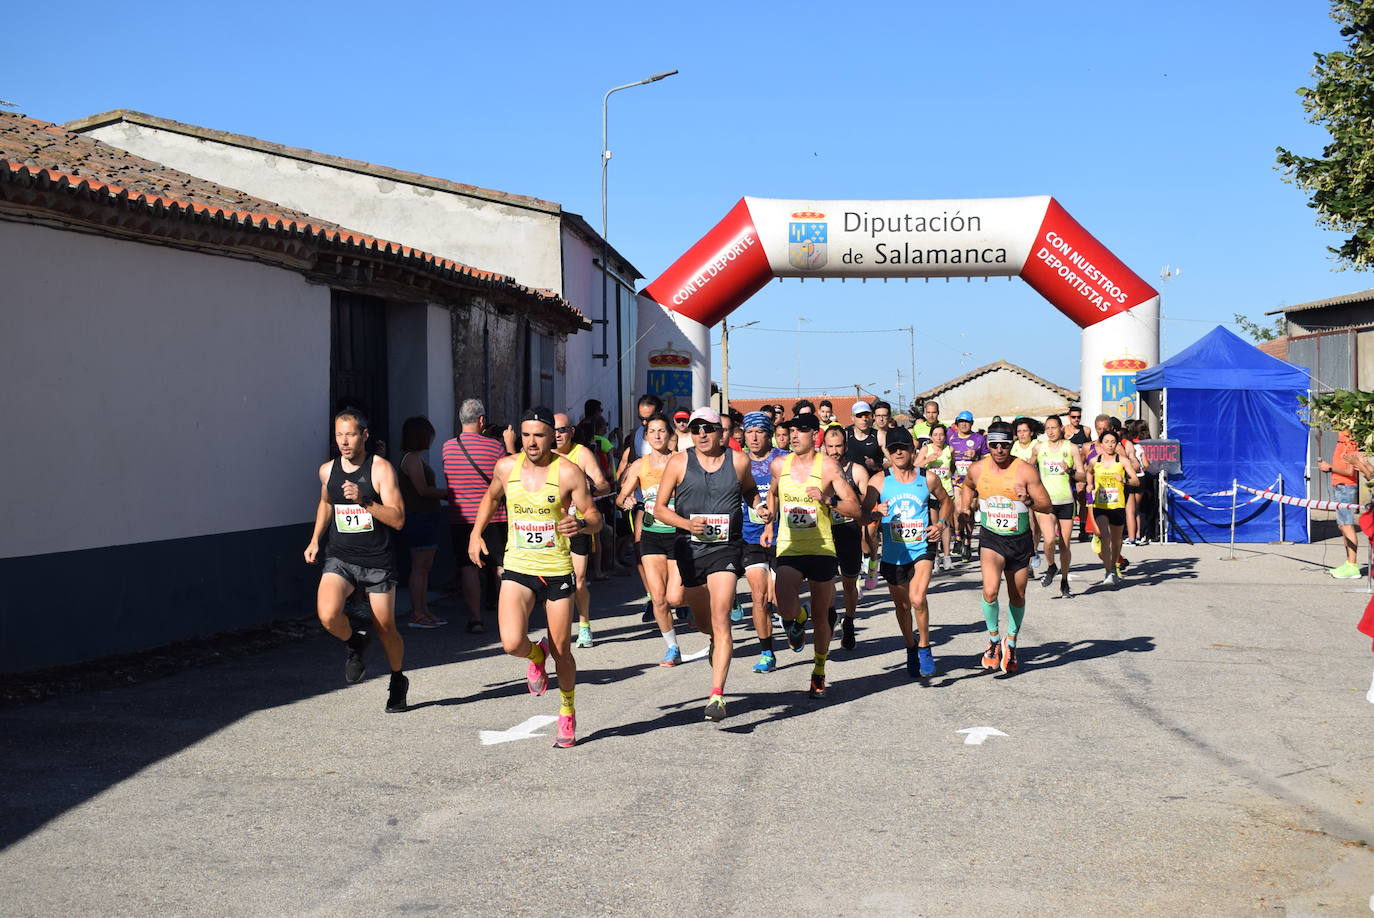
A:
(1014, 616)
(536, 654)
(990, 611)
(819, 668)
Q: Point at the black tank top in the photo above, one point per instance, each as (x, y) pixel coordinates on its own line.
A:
(856, 450)
(717, 492)
(355, 536)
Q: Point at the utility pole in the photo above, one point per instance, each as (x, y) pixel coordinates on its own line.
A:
(725, 362)
(911, 334)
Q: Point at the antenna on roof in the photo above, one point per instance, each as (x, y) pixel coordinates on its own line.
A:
(9, 104)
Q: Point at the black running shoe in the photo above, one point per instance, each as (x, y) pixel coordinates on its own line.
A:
(796, 635)
(1050, 573)
(847, 633)
(913, 662)
(648, 615)
(817, 689)
(354, 667)
(1064, 588)
(396, 696)
(832, 617)
(715, 708)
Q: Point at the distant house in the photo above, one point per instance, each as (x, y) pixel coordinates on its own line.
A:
(173, 349)
(842, 404)
(535, 242)
(998, 389)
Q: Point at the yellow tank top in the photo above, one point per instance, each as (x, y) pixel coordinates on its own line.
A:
(1109, 492)
(803, 525)
(1023, 451)
(649, 480)
(999, 509)
(533, 545)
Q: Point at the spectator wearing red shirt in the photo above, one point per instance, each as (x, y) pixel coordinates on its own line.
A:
(469, 460)
(1347, 463)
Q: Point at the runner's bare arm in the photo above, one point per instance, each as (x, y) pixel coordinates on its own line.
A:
(667, 485)
(625, 500)
(592, 469)
(748, 488)
(323, 513)
(1029, 480)
(1128, 466)
(835, 483)
(873, 492)
(944, 510)
(495, 491)
(391, 509)
(968, 493)
(414, 469)
(572, 481)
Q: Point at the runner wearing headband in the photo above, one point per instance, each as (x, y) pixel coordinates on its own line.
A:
(758, 558)
(1002, 486)
(540, 489)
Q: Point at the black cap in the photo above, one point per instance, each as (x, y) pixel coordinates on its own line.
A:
(538, 413)
(805, 422)
(899, 436)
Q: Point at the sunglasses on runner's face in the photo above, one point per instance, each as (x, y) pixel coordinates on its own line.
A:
(568, 429)
(999, 445)
(704, 427)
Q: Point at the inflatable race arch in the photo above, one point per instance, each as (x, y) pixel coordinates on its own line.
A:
(1032, 237)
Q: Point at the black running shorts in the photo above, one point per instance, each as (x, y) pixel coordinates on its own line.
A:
(1063, 511)
(1016, 550)
(849, 549)
(816, 568)
(550, 589)
(657, 543)
(1113, 517)
(696, 566)
(758, 556)
(581, 544)
(367, 579)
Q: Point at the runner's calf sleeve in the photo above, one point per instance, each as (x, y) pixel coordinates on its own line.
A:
(1014, 616)
(536, 654)
(565, 702)
(990, 611)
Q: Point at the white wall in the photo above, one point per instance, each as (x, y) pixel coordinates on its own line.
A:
(586, 377)
(1000, 392)
(521, 242)
(152, 393)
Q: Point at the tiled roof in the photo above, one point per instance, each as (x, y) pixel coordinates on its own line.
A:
(841, 404)
(1277, 347)
(43, 157)
(1345, 299)
(304, 155)
(992, 367)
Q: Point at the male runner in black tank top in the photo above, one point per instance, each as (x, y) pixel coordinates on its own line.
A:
(700, 493)
(361, 505)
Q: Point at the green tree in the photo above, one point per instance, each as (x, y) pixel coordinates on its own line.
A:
(1342, 410)
(1258, 332)
(1340, 182)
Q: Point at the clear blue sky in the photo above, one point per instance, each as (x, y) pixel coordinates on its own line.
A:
(1155, 125)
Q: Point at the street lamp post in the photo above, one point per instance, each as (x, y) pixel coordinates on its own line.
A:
(725, 361)
(606, 249)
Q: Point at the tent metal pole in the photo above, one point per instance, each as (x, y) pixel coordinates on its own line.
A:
(1234, 489)
(1281, 514)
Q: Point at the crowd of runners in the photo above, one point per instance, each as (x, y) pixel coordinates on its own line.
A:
(787, 502)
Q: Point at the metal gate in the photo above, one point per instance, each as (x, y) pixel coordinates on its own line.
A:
(357, 359)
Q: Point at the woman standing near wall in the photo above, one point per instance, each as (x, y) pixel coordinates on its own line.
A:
(420, 535)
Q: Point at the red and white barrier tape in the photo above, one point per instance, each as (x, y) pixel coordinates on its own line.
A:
(1302, 501)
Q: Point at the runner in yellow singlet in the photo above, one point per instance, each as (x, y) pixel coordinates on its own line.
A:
(540, 490)
(1003, 486)
(582, 544)
(1108, 474)
(805, 488)
(938, 457)
(1059, 465)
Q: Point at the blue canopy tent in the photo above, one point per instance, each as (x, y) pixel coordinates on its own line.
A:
(1234, 410)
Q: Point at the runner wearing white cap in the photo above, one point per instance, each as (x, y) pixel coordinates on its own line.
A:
(702, 492)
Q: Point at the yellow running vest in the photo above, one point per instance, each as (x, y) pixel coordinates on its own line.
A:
(534, 546)
(803, 524)
(1109, 491)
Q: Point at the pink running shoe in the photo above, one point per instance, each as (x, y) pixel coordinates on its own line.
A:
(567, 728)
(537, 675)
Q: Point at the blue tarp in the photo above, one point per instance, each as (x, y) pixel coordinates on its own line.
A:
(1234, 410)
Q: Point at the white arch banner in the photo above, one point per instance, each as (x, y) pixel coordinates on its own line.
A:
(1031, 237)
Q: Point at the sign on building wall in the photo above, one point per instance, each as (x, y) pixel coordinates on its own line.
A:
(670, 375)
(1119, 396)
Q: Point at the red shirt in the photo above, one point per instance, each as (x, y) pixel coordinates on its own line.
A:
(465, 485)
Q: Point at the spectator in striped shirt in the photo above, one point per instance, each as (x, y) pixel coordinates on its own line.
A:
(469, 460)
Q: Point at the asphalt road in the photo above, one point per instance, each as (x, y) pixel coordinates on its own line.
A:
(1196, 742)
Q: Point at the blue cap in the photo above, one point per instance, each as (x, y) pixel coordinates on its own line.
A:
(964, 416)
(758, 419)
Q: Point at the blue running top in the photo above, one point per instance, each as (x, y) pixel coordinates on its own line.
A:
(904, 524)
(763, 479)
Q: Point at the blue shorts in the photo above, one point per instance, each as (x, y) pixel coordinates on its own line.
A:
(1346, 494)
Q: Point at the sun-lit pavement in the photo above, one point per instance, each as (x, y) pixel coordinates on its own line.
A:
(1195, 742)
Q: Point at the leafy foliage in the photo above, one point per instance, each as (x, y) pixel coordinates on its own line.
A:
(1340, 182)
(1343, 410)
(1258, 332)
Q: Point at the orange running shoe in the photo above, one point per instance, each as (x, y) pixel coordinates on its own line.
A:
(992, 655)
(1009, 664)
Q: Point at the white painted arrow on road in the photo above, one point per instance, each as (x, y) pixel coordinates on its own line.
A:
(520, 731)
(976, 735)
